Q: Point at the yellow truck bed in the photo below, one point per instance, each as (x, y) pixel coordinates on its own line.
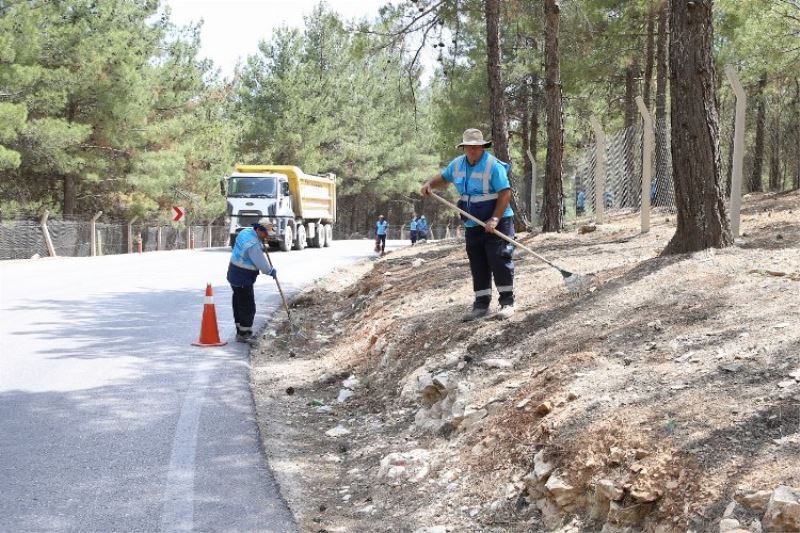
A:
(313, 197)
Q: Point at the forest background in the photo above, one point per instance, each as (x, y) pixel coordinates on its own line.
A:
(109, 106)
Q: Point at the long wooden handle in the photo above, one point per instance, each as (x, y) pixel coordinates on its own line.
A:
(278, 283)
(499, 234)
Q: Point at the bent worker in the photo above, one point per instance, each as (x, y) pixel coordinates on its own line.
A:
(247, 260)
(482, 182)
(381, 227)
(412, 226)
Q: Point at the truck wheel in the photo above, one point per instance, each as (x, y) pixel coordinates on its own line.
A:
(321, 235)
(301, 238)
(328, 234)
(318, 239)
(288, 236)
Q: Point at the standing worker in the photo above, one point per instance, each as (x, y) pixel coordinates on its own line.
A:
(381, 227)
(413, 226)
(482, 182)
(422, 229)
(247, 259)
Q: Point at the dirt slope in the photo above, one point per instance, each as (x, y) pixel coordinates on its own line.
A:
(648, 404)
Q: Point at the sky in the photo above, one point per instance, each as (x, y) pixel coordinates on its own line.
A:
(232, 28)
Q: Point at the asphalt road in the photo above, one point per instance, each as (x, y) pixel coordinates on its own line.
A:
(110, 420)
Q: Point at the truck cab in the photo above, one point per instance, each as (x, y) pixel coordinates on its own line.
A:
(284, 194)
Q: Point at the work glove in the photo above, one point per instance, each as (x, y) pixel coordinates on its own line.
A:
(273, 273)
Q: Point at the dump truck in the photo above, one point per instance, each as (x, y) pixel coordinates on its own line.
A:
(300, 206)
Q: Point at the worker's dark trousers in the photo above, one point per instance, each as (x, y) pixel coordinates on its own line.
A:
(413, 236)
(380, 243)
(244, 309)
(489, 255)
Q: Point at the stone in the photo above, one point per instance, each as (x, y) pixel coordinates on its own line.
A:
(338, 431)
(729, 510)
(522, 404)
(645, 494)
(783, 510)
(344, 394)
(472, 417)
(587, 228)
(412, 466)
(544, 408)
(541, 468)
(607, 488)
(728, 524)
(432, 529)
(562, 492)
(628, 516)
(756, 501)
(497, 363)
(351, 383)
(418, 262)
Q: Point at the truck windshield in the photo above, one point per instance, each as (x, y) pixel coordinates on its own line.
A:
(251, 187)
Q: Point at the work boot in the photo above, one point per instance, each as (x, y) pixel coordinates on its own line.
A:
(475, 313)
(247, 339)
(505, 312)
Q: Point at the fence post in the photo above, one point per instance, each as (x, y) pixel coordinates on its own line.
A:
(130, 234)
(158, 238)
(738, 149)
(599, 170)
(447, 232)
(189, 236)
(533, 189)
(94, 233)
(208, 232)
(99, 244)
(47, 240)
(647, 163)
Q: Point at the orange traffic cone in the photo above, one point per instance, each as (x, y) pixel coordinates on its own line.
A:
(209, 334)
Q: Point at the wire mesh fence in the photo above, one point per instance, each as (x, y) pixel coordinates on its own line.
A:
(72, 237)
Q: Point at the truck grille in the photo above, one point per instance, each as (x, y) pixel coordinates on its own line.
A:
(248, 218)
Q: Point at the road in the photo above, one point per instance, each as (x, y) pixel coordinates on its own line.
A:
(110, 420)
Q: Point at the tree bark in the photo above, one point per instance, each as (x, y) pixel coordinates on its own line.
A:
(702, 219)
(497, 107)
(553, 188)
(648, 62)
(662, 74)
(758, 150)
(631, 73)
(525, 112)
(797, 133)
(775, 178)
(70, 194)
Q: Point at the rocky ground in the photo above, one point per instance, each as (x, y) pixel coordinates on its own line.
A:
(666, 398)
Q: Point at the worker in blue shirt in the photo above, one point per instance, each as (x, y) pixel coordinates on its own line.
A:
(381, 227)
(247, 260)
(422, 229)
(413, 227)
(580, 203)
(482, 182)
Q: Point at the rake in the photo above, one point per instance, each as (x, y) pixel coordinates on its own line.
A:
(574, 282)
(295, 328)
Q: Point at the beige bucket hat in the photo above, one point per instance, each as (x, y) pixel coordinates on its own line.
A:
(473, 137)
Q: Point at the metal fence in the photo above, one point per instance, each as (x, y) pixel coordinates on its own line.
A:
(84, 237)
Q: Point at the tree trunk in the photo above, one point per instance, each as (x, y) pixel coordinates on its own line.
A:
(662, 73)
(797, 132)
(758, 149)
(553, 188)
(631, 73)
(702, 219)
(536, 104)
(525, 126)
(70, 194)
(648, 62)
(775, 178)
(497, 107)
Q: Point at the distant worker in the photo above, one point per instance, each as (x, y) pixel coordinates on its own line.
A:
(413, 227)
(608, 199)
(580, 203)
(422, 229)
(247, 260)
(381, 227)
(482, 181)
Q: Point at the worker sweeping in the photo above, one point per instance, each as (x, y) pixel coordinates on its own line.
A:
(247, 260)
(485, 192)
